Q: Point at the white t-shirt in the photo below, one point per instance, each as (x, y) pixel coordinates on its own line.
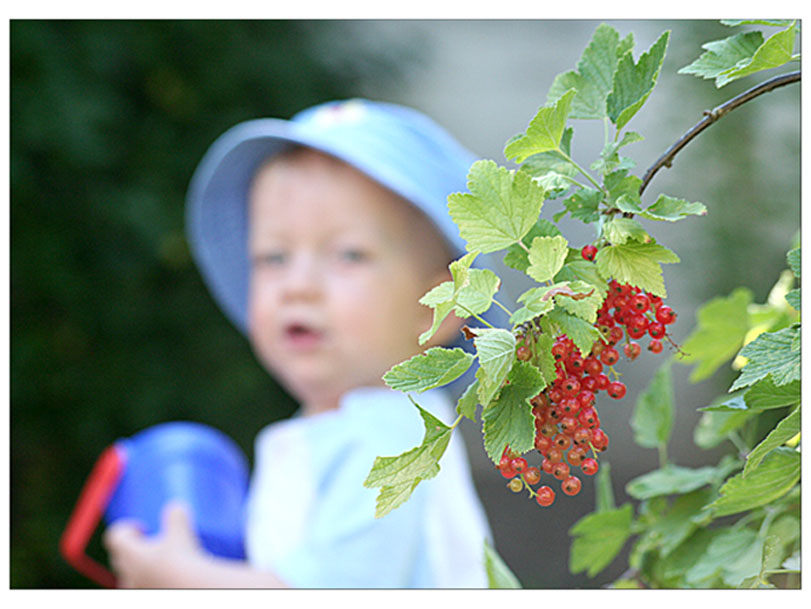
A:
(311, 521)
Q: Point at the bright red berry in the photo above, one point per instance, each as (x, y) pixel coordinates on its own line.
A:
(602, 381)
(562, 441)
(632, 350)
(636, 333)
(547, 466)
(560, 471)
(568, 425)
(570, 405)
(617, 390)
(571, 486)
(640, 303)
(609, 356)
(665, 315)
(581, 436)
(589, 466)
(571, 386)
(532, 475)
(655, 346)
(576, 455)
(656, 330)
(589, 383)
(542, 444)
(615, 335)
(519, 464)
(588, 252)
(599, 439)
(588, 417)
(545, 496)
(555, 455)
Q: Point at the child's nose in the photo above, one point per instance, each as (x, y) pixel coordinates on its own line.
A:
(303, 279)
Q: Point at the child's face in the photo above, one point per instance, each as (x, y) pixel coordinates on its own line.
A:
(338, 265)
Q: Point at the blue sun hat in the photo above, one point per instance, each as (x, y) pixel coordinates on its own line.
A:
(396, 146)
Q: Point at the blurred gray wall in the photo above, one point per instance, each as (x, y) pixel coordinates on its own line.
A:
(484, 80)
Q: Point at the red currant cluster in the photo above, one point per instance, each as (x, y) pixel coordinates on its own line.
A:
(567, 425)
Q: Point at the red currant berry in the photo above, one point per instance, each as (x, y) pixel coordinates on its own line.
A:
(571, 486)
(515, 485)
(559, 351)
(617, 390)
(532, 475)
(555, 455)
(588, 417)
(571, 386)
(581, 436)
(570, 405)
(519, 464)
(539, 401)
(568, 425)
(632, 350)
(665, 315)
(655, 346)
(609, 356)
(588, 252)
(576, 455)
(560, 471)
(602, 381)
(523, 353)
(589, 383)
(555, 395)
(585, 398)
(656, 330)
(574, 364)
(543, 444)
(508, 472)
(615, 335)
(547, 466)
(545, 496)
(562, 441)
(549, 429)
(640, 303)
(638, 321)
(599, 439)
(636, 333)
(589, 466)
(592, 366)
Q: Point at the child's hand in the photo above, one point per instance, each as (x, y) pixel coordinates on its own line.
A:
(162, 561)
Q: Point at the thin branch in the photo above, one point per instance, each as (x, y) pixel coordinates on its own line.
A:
(710, 116)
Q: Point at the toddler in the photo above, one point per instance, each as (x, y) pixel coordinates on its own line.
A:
(318, 236)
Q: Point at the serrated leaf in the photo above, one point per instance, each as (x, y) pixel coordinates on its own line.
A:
(544, 359)
(500, 209)
(436, 367)
(633, 82)
(460, 270)
(727, 546)
(793, 298)
(593, 77)
(620, 230)
(794, 258)
(670, 480)
(487, 389)
(775, 52)
(546, 257)
(516, 256)
(722, 325)
(598, 538)
(466, 406)
(578, 298)
(535, 303)
(610, 160)
(771, 479)
(582, 333)
(620, 184)
(544, 132)
(783, 431)
(476, 296)
(583, 270)
(637, 264)
(770, 353)
(765, 395)
(683, 518)
(509, 419)
(672, 209)
(496, 351)
(441, 311)
(723, 55)
(584, 205)
(766, 22)
(499, 575)
(653, 415)
(398, 476)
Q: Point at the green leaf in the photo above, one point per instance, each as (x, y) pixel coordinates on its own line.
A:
(582, 333)
(775, 52)
(544, 358)
(466, 406)
(722, 325)
(794, 258)
(715, 427)
(726, 547)
(684, 517)
(578, 298)
(546, 257)
(500, 209)
(460, 271)
(496, 351)
(784, 431)
(766, 22)
(499, 575)
(623, 187)
(509, 419)
(633, 82)
(441, 311)
(516, 256)
(733, 402)
(593, 78)
(770, 353)
(723, 55)
(583, 270)
(399, 476)
(476, 295)
(598, 538)
(771, 479)
(672, 209)
(535, 302)
(765, 395)
(670, 480)
(653, 416)
(793, 298)
(437, 366)
(637, 264)
(610, 160)
(620, 230)
(584, 205)
(544, 132)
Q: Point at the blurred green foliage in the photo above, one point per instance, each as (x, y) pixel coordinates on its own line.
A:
(112, 329)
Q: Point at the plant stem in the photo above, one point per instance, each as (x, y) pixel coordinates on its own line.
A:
(503, 308)
(583, 171)
(456, 422)
(743, 450)
(662, 455)
(472, 314)
(710, 116)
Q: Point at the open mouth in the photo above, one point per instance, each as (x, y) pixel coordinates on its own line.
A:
(302, 335)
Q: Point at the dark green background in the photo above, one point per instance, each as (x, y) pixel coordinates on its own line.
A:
(113, 331)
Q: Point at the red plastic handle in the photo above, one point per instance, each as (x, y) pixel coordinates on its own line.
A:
(86, 514)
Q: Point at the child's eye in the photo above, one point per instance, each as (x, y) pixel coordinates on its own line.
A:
(350, 254)
(269, 259)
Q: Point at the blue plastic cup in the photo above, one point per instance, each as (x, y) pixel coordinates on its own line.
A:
(194, 464)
